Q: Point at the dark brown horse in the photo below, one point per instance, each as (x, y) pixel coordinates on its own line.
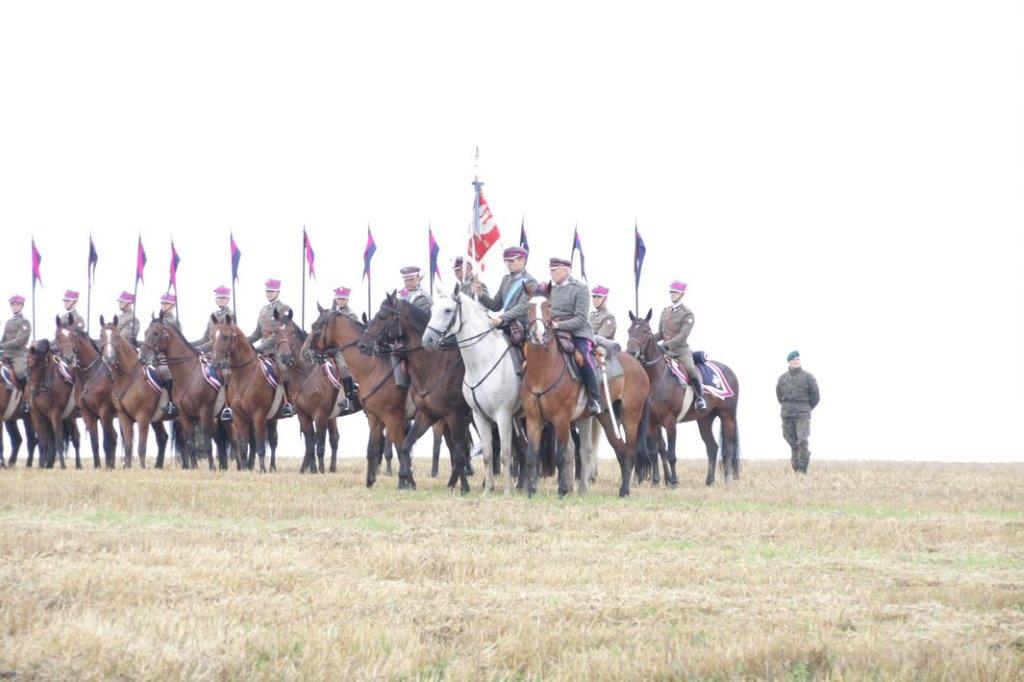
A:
(672, 403)
(92, 388)
(11, 400)
(436, 385)
(383, 401)
(50, 402)
(549, 395)
(134, 398)
(193, 395)
(311, 391)
(253, 398)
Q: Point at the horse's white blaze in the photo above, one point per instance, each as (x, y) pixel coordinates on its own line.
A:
(538, 316)
(65, 333)
(216, 335)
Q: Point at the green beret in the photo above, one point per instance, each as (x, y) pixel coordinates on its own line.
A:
(793, 356)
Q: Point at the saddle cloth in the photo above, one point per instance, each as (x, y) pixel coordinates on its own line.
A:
(153, 379)
(65, 372)
(269, 367)
(712, 376)
(212, 376)
(332, 375)
(7, 375)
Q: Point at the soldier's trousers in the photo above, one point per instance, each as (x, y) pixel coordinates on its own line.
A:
(685, 358)
(343, 371)
(796, 431)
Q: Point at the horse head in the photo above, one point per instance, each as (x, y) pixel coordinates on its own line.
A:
(445, 314)
(385, 330)
(538, 315)
(156, 341)
(288, 338)
(225, 341)
(108, 342)
(641, 344)
(67, 345)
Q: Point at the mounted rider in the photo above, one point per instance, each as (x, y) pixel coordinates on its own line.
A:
(601, 319)
(464, 275)
(70, 304)
(167, 304)
(222, 297)
(340, 306)
(414, 293)
(14, 343)
(266, 329)
(511, 300)
(673, 332)
(569, 308)
(127, 323)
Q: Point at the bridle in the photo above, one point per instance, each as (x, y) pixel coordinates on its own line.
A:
(384, 343)
(163, 339)
(316, 332)
(447, 339)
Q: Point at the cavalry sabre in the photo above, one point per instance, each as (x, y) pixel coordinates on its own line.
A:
(608, 397)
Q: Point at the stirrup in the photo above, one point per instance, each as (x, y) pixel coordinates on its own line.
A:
(24, 408)
(226, 414)
(171, 410)
(595, 407)
(287, 411)
(700, 403)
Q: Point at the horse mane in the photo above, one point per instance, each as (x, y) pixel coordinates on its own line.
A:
(181, 336)
(418, 315)
(299, 331)
(83, 335)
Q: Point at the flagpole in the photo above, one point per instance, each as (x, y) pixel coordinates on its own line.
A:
(304, 238)
(88, 290)
(636, 278)
(369, 279)
(135, 291)
(430, 257)
(33, 288)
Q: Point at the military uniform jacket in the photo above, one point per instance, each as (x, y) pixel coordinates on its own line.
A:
(205, 344)
(570, 302)
(266, 326)
(169, 318)
(797, 392)
(17, 333)
(345, 311)
(128, 327)
(674, 330)
(420, 299)
(515, 308)
(78, 320)
(603, 323)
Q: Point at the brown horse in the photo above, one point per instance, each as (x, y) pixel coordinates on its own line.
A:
(253, 398)
(672, 403)
(383, 401)
(11, 401)
(550, 395)
(50, 402)
(195, 397)
(92, 388)
(436, 389)
(134, 398)
(311, 392)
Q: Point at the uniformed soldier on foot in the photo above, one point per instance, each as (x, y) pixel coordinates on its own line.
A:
(340, 306)
(464, 274)
(674, 332)
(797, 392)
(70, 307)
(222, 297)
(266, 329)
(511, 301)
(601, 319)
(14, 343)
(167, 304)
(127, 323)
(569, 306)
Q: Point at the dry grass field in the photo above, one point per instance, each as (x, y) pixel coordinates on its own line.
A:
(858, 571)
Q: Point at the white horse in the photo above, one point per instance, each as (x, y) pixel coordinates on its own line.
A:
(491, 386)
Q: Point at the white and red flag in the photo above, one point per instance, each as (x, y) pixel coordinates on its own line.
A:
(485, 230)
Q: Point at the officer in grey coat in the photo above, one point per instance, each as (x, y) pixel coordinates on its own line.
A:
(340, 306)
(266, 330)
(601, 319)
(511, 300)
(797, 391)
(570, 302)
(674, 333)
(414, 292)
(127, 323)
(464, 275)
(14, 343)
(70, 307)
(222, 297)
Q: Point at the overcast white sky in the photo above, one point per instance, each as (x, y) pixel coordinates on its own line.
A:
(841, 178)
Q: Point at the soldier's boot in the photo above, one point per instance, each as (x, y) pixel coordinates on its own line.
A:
(516, 353)
(698, 389)
(287, 410)
(23, 408)
(589, 376)
(170, 409)
(348, 399)
(226, 415)
(398, 369)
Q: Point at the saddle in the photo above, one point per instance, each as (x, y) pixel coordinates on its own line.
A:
(7, 375)
(713, 378)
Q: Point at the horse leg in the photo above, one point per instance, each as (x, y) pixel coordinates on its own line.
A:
(94, 437)
(16, 440)
(567, 475)
(240, 429)
(59, 443)
(595, 444)
(332, 432)
(160, 431)
(143, 442)
(308, 436)
(272, 442)
(484, 428)
(670, 462)
(373, 450)
(707, 434)
(435, 453)
(534, 435)
(109, 437)
(420, 424)
(260, 432)
(320, 433)
(588, 454)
